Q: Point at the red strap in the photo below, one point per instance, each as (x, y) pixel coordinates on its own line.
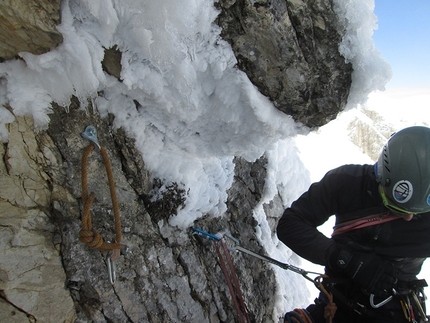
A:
(232, 281)
(365, 222)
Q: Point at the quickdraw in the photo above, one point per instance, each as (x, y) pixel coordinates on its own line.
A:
(412, 308)
(229, 273)
(330, 308)
(88, 235)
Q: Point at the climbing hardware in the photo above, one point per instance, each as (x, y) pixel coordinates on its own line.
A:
(230, 275)
(88, 235)
(298, 315)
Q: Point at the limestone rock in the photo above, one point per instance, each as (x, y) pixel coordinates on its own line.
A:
(112, 62)
(168, 276)
(11, 315)
(28, 26)
(289, 50)
(31, 272)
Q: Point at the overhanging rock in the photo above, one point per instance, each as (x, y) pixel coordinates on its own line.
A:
(289, 50)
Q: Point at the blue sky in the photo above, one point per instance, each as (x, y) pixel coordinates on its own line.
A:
(403, 38)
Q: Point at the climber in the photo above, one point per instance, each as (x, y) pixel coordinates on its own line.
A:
(381, 236)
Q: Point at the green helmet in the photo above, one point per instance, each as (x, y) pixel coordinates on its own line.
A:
(403, 169)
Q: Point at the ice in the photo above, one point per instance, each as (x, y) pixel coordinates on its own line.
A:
(371, 71)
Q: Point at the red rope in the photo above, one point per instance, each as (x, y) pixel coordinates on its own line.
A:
(365, 222)
(298, 315)
(232, 280)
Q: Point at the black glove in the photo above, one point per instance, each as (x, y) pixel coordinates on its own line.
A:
(374, 274)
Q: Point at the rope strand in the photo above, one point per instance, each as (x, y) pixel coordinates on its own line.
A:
(232, 281)
(298, 315)
(330, 309)
(88, 235)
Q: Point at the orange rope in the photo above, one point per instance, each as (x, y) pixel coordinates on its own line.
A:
(330, 309)
(88, 235)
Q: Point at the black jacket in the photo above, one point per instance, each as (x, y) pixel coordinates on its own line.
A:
(351, 192)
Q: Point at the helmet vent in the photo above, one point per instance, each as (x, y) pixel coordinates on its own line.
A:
(386, 166)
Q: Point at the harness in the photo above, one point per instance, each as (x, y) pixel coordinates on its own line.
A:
(410, 295)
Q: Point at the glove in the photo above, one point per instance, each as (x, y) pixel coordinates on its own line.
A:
(370, 271)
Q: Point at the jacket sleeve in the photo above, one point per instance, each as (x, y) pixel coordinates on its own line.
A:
(297, 227)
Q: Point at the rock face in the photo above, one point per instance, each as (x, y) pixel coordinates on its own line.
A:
(31, 272)
(288, 49)
(29, 26)
(168, 276)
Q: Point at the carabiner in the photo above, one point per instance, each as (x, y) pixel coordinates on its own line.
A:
(419, 307)
(205, 234)
(111, 268)
(385, 301)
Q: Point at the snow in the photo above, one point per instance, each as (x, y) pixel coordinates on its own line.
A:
(370, 71)
(196, 111)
